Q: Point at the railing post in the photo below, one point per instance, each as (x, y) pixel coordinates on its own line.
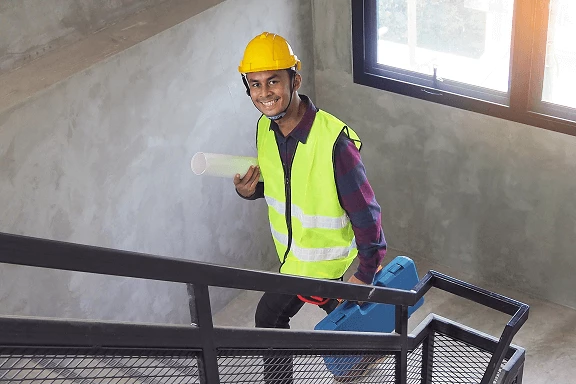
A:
(427, 358)
(192, 304)
(402, 356)
(518, 379)
(208, 365)
(498, 355)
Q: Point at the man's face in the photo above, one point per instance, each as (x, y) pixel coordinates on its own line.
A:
(270, 91)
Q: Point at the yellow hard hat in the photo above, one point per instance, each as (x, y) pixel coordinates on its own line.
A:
(268, 52)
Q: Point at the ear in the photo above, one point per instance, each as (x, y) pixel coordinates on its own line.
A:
(297, 82)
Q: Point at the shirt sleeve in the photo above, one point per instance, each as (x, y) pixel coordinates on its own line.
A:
(258, 194)
(358, 200)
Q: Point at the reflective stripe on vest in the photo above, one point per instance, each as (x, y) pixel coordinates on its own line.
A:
(314, 254)
(309, 221)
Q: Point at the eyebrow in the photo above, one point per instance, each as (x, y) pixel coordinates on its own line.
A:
(268, 79)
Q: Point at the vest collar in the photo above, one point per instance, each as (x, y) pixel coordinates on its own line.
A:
(302, 130)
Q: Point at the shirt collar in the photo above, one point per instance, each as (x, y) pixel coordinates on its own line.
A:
(302, 130)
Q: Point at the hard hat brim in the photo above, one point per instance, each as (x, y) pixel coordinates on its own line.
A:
(250, 68)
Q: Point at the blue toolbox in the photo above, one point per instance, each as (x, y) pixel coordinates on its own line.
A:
(400, 273)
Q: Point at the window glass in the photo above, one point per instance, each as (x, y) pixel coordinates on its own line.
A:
(560, 70)
(463, 40)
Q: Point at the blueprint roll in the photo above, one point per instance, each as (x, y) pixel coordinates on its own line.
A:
(216, 164)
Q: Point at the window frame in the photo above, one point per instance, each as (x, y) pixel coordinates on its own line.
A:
(522, 103)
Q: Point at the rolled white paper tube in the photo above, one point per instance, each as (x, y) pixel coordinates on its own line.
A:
(216, 164)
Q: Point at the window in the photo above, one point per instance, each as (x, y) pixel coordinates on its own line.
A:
(514, 59)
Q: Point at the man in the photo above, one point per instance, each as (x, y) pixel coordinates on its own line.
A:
(321, 207)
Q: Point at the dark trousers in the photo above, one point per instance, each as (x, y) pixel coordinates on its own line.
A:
(275, 311)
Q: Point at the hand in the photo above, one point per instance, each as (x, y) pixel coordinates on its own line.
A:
(246, 186)
(354, 280)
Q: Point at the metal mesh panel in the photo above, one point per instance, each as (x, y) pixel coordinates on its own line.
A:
(456, 362)
(280, 366)
(453, 362)
(415, 366)
(89, 366)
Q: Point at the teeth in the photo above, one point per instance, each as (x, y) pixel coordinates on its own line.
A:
(269, 103)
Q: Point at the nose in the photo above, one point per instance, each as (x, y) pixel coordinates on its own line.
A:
(266, 90)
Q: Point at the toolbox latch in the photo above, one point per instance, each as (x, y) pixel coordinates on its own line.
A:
(395, 269)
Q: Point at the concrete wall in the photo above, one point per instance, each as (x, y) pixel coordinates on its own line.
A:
(30, 28)
(102, 158)
(488, 196)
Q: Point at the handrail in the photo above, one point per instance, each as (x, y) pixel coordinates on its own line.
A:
(29, 251)
(518, 310)
(35, 252)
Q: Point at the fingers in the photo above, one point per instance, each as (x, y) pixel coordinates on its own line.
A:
(246, 178)
(248, 174)
(246, 185)
(255, 180)
(255, 177)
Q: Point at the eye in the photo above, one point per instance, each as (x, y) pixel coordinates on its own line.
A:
(273, 82)
(255, 85)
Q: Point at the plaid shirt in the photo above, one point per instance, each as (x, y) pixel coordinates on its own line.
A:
(356, 194)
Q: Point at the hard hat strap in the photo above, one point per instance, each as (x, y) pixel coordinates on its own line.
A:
(283, 113)
(246, 84)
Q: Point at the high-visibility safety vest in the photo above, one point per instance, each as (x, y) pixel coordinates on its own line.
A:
(311, 230)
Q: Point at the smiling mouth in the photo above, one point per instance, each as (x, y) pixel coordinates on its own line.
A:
(269, 103)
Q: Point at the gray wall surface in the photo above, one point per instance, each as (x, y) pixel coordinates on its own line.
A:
(103, 158)
(30, 28)
(488, 196)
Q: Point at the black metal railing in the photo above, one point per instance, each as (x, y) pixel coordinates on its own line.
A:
(34, 350)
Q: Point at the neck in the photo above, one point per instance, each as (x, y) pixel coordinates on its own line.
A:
(293, 116)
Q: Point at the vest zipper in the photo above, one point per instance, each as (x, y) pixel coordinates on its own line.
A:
(288, 193)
